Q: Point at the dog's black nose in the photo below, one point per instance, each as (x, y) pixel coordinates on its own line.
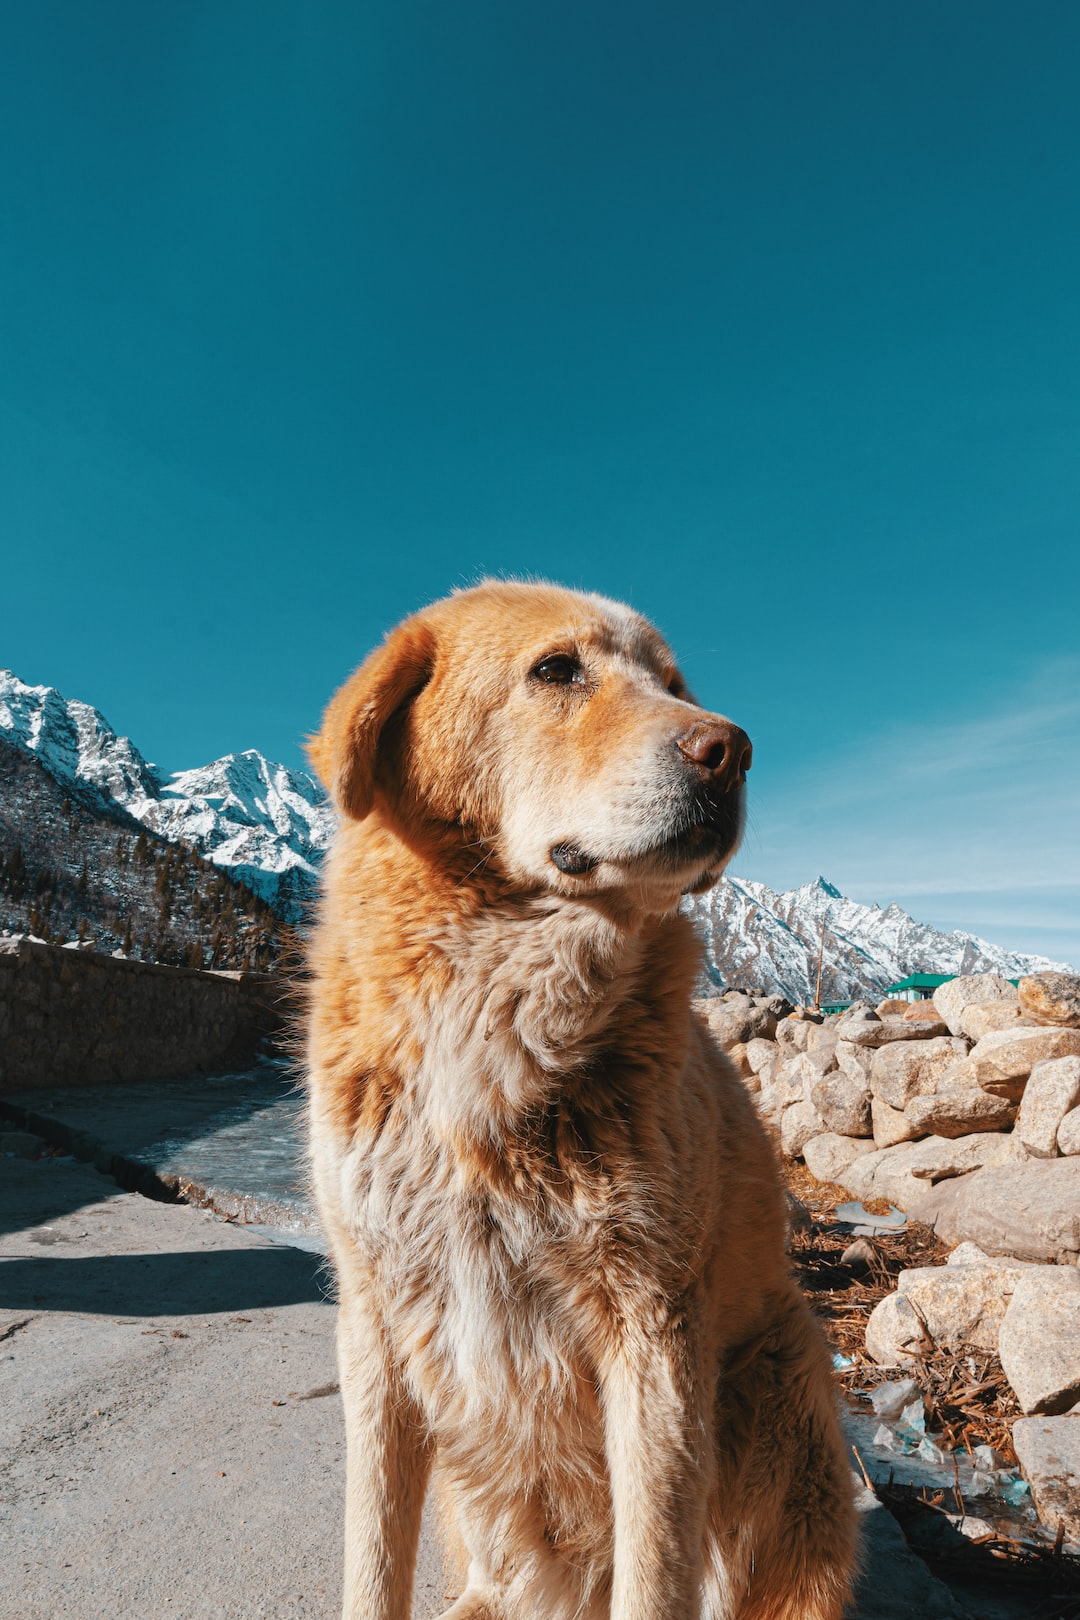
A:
(719, 748)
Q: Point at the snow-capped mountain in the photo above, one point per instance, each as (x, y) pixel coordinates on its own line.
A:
(269, 827)
(266, 825)
(760, 940)
(74, 742)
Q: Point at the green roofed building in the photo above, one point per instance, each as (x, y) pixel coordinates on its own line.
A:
(917, 986)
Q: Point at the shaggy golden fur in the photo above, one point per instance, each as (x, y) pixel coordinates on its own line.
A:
(557, 1226)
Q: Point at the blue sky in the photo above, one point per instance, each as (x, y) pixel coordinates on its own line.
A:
(763, 318)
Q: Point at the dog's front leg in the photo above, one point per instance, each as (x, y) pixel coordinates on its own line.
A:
(656, 1454)
(387, 1467)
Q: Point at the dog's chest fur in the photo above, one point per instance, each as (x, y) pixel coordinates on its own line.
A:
(507, 1200)
(506, 1267)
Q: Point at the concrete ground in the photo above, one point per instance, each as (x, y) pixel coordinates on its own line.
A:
(171, 1438)
(170, 1433)
(232, 1141)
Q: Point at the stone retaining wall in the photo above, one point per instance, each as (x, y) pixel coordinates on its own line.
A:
(72, 1017)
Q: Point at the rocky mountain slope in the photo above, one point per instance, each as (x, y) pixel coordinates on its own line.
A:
(268, 827)
(765, 942)
(72, 869)
(263, 824)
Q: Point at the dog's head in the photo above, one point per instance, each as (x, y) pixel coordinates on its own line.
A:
(547, 731)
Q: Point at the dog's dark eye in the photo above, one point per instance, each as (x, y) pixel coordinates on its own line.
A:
(676, 685)
(558, 670)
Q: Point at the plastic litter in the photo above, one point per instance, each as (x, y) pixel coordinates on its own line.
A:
(905, 1431)
(842, 1363)
(889, 1400)
(992, 1476)
(983, 1476)
(865, 1224)
(912, 1420)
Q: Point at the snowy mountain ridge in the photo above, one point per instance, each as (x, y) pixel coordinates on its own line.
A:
(270, 826)
(760, 940)
(267, 825)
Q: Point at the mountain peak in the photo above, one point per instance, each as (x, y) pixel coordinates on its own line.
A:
(762, 941)
(266, 825)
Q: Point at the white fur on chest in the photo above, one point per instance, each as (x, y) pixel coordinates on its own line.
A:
(473, 1287)
(479, 1300)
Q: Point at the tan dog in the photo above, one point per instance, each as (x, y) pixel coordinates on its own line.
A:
(557, 1226)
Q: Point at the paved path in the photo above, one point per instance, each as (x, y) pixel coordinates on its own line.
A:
(232, 1142)
(169, 1443)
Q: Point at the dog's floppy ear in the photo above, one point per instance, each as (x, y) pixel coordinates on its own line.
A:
(344, 750)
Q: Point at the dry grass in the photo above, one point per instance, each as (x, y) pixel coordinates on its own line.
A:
(967, 1396)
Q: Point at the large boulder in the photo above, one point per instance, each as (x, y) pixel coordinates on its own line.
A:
(737, 1056)
(791, 1035)
(889, 1125)
(922, 1177)
(844, 1104)
(795, 1077)
(957, 1305)
(1049, 1453)
(1068, 1136)
(908, 1068)
(894, 1334)
(920, 1012)
(1039, 1342)
(1051, 1092)
(969, 1254)
(1051, 998)
(798, 1125)
(959, 1113)
(951, 998)
(828, 1157)
(1002, 1060)
(767, 1100)
(854, 1060)
(762, 1056)
(880, 1031)
(821, 1035)
(819, 1058)
(736, 1021)
(1028, 1210)
(984, 1017)
(788, 1083)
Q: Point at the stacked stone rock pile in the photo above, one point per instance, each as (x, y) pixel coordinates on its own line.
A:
(964, 1112)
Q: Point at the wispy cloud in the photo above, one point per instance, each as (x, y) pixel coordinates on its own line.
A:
(977, 813)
